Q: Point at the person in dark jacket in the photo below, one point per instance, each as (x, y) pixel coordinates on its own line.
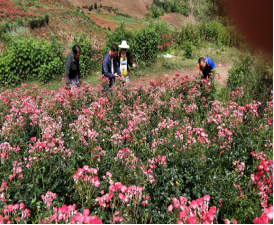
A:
(72, 68)
(110, 67)
(124, 61)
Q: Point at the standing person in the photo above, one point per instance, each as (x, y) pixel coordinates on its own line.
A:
(124, 60)
(72, 68)
(110, 67)
(205, 67)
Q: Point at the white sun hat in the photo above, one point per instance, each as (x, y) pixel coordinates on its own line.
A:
(124, 45)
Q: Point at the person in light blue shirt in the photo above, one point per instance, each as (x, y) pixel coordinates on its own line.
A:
(206, 66)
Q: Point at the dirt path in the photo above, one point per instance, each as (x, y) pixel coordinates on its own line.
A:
(222, 69)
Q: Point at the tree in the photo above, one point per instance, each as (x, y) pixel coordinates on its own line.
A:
(95, 5)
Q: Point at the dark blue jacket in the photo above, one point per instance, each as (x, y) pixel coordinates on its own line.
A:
(106, 67)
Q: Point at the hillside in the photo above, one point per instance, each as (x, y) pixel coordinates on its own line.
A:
(133, 8)
(45, 19)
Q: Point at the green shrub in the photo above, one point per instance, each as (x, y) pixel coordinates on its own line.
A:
(95, 5)
(176, 6)
(212, 31)
(145, 45)
(90, 8)
(117, 35)
(22, 60)
(91, 56)
(254, 74)
(51, 71)
(124, 15)
(188, 49)
(37, 22)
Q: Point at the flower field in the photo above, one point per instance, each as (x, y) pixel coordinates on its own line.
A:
(165, 153)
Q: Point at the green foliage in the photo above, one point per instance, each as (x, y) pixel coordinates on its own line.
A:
(95, 5)
(188, 49)
(212, 31)
(51, 71)
(119, 34)
(90, 8)
(23, 59)
(145, 45)
(124, 15)
(254, 74)
(158, 7)
(239, 72)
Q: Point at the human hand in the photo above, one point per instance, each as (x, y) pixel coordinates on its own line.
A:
(116, 75)
(134, 65)
(80, 81)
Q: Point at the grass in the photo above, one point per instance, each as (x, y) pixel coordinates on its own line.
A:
(179, 61)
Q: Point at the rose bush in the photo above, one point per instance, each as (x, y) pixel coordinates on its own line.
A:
(165, 153)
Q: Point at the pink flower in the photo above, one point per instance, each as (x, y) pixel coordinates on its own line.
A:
(191, 220)
(121, 196)
(234, 221)
(4, 185)
(182, 215)
(170, 207)
(175, 202)
(212, 210)
(85, 212)
(193, 204)
(97, 183)
(167, 44)
(144, 203)
(22, 205)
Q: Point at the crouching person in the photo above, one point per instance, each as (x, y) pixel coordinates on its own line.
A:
(72, 69)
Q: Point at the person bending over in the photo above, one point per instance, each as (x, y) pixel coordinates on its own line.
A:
(206, 67)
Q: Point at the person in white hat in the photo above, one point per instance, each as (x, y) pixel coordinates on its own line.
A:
(124, 60)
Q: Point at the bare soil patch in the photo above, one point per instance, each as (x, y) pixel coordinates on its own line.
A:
(171, 18)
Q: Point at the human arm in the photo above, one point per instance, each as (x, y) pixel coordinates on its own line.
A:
(79, 74)
(199, 70)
